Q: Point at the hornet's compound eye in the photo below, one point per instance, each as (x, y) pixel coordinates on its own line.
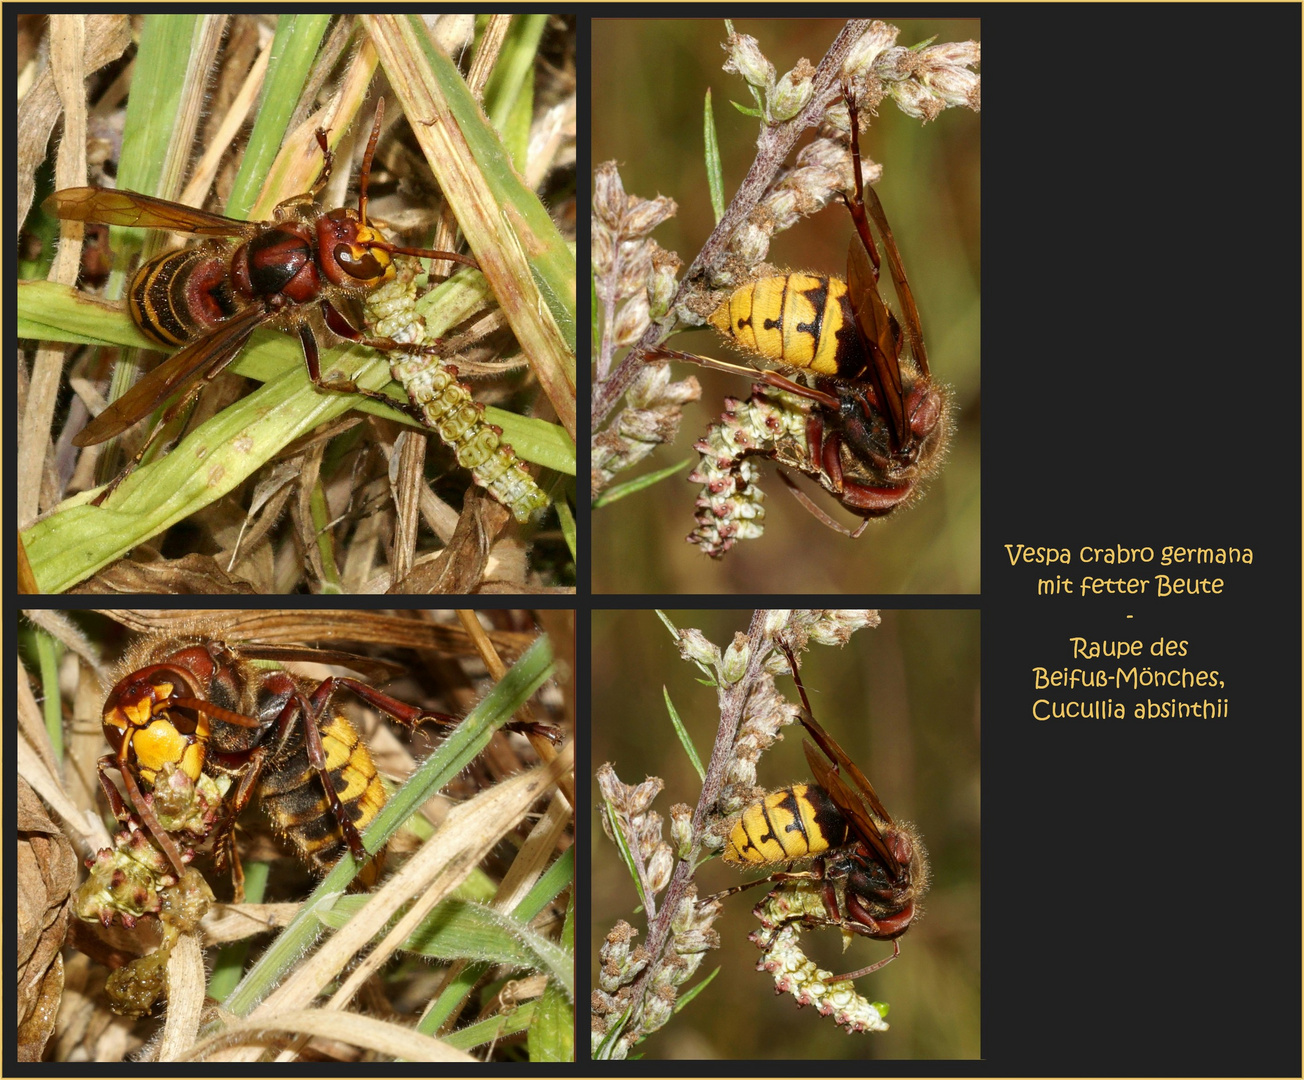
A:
(362, 263)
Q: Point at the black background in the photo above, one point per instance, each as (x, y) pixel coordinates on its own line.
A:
(1141, 308)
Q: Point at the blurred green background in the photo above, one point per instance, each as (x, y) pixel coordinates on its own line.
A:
(649, 81)
(903, 700)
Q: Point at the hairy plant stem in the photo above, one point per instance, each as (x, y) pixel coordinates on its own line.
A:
(774, 146)
(733, 700)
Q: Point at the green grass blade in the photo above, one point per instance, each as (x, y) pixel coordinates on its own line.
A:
(714, 167)
(629, 487)
(685, 740)
(294, 50)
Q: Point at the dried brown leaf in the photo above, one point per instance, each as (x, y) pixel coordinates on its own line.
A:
(46, 872)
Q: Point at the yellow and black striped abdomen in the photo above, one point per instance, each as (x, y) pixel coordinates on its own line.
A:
(800, 320)
(179, 294)
(789, 824)
(293, 796)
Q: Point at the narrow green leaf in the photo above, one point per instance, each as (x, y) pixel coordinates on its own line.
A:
(714, 167)
(560, 875)
(452, 997)
(685, 740)
(294, 50)
(629, 487)
(231, 960)
(615, 1028)
(688, 995)
(533, 439)
(48, 651)
(458, 930)
(509, 94)
(674, 630)
(495, 1027)
(50, 312)
(552, 1031)
(566, 519)
(622, 845)
(157, 87)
